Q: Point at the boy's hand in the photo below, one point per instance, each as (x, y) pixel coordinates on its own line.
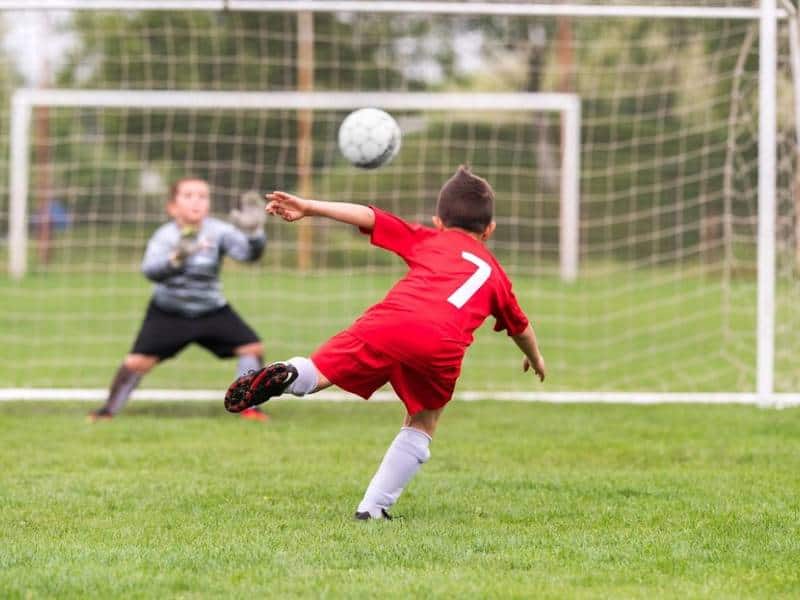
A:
(538, 366)
(250, 218)
(187, 245)
(287, 207)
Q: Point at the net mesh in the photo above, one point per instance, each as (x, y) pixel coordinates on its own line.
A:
(666, 296)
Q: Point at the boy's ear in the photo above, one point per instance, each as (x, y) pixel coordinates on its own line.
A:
(171, 208)
(437, 223)
(487, 233)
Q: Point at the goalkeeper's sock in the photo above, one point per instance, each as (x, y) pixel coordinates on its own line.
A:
(407, 453)
(306, 381)
(246, 363)
(125, 381)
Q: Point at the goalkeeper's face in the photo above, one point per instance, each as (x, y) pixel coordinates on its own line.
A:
(190, 203)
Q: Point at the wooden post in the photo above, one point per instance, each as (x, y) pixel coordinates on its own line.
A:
(797, 213)
(566, 59)
(42, 153)
(305, 120)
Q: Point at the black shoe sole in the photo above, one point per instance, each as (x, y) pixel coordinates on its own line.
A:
(259, 386)
(365, 516)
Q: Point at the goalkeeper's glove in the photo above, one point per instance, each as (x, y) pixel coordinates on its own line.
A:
(251, 217)
(187, 246)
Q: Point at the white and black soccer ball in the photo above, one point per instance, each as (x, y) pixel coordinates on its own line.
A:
(369, 138)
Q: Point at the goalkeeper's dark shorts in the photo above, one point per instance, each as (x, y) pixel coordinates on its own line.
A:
(164, 334)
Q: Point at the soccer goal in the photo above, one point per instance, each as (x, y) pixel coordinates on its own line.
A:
(566, 105)
(644, 159)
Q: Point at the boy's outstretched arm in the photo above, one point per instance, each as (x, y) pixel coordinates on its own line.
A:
(533, 357)
(293, 208)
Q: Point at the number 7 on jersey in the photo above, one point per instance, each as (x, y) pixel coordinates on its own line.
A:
(469, 288)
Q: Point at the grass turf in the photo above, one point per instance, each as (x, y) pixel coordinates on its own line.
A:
(518, 500)
(656, 330)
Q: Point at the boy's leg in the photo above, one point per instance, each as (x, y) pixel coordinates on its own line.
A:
(343, 360)
(407, 453)
(128, 376)
(309, 379)
(298, 376)
(249, 358)
(161, 336)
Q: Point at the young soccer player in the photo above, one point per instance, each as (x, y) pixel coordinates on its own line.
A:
(415, 338)
(183, 259)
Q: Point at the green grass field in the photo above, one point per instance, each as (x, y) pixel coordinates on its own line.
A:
(614, 330)
(518, 500)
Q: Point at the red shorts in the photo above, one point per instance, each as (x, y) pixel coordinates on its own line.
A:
(357, 367)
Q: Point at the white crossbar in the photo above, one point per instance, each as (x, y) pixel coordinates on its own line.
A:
(399, 7)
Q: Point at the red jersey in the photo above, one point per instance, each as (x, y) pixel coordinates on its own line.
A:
(428, 318)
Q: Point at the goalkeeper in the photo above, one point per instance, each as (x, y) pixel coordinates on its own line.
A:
(183, 259)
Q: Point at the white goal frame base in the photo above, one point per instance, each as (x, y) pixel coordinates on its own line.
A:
(643, 398)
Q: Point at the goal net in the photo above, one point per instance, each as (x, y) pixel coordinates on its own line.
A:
(663, 292)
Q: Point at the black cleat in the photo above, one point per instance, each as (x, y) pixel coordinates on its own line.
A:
(256, 387)
(365, 516)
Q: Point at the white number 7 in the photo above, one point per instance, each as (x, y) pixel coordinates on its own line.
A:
(460, 297)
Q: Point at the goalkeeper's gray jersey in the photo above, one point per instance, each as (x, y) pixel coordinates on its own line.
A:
(194, 288)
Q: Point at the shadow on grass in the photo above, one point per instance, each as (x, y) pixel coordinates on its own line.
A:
(168, 410)
(177, 410)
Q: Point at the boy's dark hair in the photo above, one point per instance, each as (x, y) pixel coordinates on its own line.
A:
(466, 201)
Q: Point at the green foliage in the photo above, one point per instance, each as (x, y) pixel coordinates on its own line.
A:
(205, 51)
(182, 50)
(518, 500)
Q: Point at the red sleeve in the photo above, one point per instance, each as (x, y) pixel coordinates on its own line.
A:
(507, 311)
(396, 235)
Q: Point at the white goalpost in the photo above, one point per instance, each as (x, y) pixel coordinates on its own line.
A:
(657, 272)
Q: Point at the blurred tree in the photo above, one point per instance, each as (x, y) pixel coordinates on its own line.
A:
(209, 51)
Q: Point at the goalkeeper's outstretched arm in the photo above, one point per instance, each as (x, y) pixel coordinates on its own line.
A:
(294, 208)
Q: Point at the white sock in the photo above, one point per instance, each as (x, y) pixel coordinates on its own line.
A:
(407, 453)
(247, 362)
(306, 381)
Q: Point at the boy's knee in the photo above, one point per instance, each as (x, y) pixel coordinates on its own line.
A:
(254, 349)
(140, 363)
(424, 421)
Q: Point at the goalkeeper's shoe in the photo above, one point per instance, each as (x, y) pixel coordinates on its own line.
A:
(256, 387)
(101, 414)
(365, 516)
(254, 414)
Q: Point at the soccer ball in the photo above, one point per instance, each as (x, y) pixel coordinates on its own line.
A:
(369, 138)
